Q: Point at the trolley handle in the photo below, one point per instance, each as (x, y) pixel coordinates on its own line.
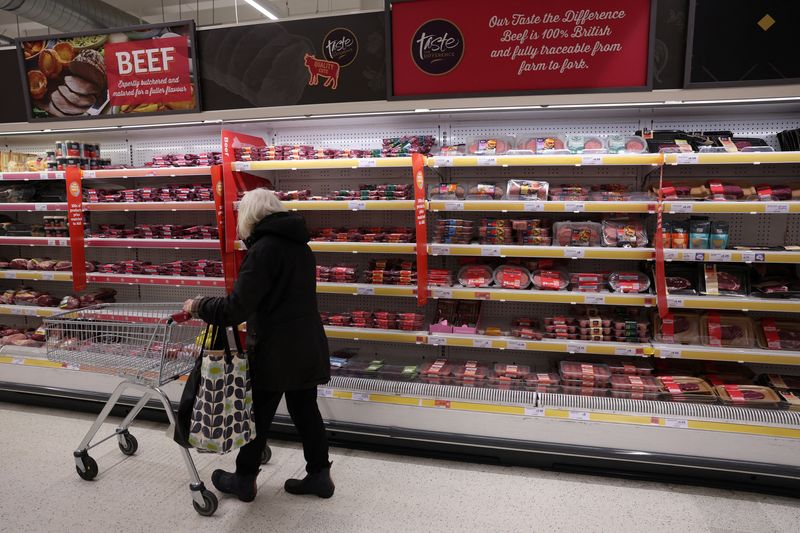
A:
(180, 317)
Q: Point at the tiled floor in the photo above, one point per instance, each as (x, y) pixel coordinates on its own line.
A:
(41, 492)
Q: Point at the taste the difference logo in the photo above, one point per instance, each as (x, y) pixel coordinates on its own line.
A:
(340, 45)
(437, 47)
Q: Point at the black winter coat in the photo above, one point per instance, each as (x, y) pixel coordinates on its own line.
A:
(276, 293)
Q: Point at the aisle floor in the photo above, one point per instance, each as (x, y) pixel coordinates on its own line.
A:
(41, 492)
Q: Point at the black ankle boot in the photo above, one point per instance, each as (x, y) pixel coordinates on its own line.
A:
(320, 484)
(242, 486)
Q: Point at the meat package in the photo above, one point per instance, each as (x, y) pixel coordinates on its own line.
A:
(456, 316)
(470, 373)
(485, 191)
(476, 276)
(364, 234)
(628, 144)
(568, 233)
(550, 280)
(779, 334)
(748, 396)
(337, 274)
(512, 277)
(771, 280)
(581, 373)
(587, 281)
(388, 272)
(532, 232)
(524, 189)
(624, 233)
(780, 382)
(678, 327)
(439, 371)
(490, 145)
(615, 192)
(569, 193)
(777, 193)
(680, 279)
(722, 279)
(453, 231)
(526, 328)
(629, 282)
(446, 191)
(543, 144)
(495, 231)
(686, 388)
(726, 330)
(578, 144)
(635, 387)
(631, 368)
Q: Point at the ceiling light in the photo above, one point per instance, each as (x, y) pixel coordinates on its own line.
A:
(261, 9)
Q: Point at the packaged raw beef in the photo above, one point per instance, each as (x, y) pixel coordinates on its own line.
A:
(778, 334)
(726, 379)
(446, 191)
(718, 191)
(476, 276)
(628, 144)
(679, 327)
(522, 189)
(569, 193)
(615, 192)
(542, 378)
(680, 279)
(438, 371)
(587, 373)
(568, 233)
(748, 396)
(723, 279)
(550, 280)
(776, 193)
(629, 383)
(506, 371)
(685, 385)
(629, 282)
(543, 144)
(526, 328)
(791, 398)
(587, 281)
(470, 372)
(578, 144)
(484, 191)
(726, 330)
(512, 277)
(490, 145)
(624, 233)
(780, 382)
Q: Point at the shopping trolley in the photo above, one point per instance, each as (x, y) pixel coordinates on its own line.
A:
(147, 344)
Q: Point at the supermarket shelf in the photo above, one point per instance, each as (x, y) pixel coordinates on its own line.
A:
(544, 160)
(382, 335)
(138, 279)
(361, 247)
(130, 279)
(163, 172)
(574, 252)
(33, 241)
(513, 206)
(734, 256)
(546, 345)
(352, 205)
(306, 164)
(31, 176)
(366, 289)
(149, 206)
(36, 275)
(733, 303)
(777, 208)
(54, 206)
(541, 296)
(173, 244)
(739, 355)
(732, 158)
(28, 310)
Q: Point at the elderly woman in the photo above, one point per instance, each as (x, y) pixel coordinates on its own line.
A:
(288, 351)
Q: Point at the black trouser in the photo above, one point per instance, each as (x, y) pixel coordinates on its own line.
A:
(302, 405)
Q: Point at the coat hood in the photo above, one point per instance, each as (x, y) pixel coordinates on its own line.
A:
(287, 225)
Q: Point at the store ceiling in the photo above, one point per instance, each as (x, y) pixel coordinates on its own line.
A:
(203, 12)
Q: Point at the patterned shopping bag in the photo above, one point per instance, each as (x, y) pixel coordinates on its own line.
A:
(222, 413)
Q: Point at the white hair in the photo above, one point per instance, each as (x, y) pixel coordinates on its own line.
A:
(254, 206)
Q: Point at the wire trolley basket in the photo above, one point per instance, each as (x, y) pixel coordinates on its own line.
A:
(139, 342)
(148, 345)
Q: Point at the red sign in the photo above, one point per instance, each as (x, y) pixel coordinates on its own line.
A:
(446, 47)
(75, 225)
(149, 71)
(421, 218)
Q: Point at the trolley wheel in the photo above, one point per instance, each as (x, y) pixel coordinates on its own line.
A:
(266, 455)
(209, 506)
(90, 468)
(130, 446)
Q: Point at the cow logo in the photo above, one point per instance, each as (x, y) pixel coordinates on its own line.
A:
(218, 188)
(75, 189)
(340, 46)
(321, 67)
(437, 47)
